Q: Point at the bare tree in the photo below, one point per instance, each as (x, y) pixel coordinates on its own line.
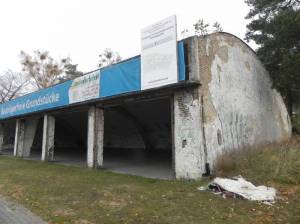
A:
(201, 27)
(217, 27)
(44, 71)
(12, 85)
(108, 57)
(184, 33)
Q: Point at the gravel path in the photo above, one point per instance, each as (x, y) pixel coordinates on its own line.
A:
(11, 213)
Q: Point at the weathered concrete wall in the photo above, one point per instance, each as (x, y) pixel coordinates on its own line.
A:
(240, 107)
(189, 150)
(192, 59)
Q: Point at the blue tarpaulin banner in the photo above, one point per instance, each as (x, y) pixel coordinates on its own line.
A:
(124, 77)
(121, 78)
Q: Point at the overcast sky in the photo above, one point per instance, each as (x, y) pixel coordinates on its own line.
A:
(81, 29)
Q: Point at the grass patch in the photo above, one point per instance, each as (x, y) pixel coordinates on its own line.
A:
(63, 194)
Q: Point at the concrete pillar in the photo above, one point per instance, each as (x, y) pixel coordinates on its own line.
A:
(48, 138)
(19, 137)
(1, 136)
(95, 137)
(30, 131)
(188, 148)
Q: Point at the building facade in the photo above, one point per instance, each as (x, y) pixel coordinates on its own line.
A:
(223, 101)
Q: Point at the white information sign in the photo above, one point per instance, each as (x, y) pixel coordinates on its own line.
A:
(85, 88)
(159, 54)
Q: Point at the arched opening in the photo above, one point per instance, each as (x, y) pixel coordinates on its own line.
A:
(138, 138)
(71, 137)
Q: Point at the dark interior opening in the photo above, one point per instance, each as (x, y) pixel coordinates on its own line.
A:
(9, 137)
(138, 138)
(36, 148)
(71, 138)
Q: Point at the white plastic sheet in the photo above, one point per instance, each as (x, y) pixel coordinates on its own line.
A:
(240, 187)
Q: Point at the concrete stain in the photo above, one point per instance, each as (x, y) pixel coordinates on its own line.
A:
(223, 53)
(247, 65)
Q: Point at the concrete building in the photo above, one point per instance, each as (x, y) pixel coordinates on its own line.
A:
(222, 101)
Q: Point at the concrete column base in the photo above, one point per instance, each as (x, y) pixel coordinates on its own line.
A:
(19, 138)
(48, 138)
(189, 156)
(95, 137)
